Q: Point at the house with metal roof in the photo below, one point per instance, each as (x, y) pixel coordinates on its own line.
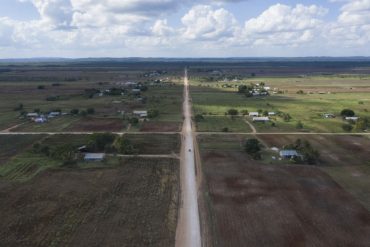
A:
(94, 157)
(288, 154)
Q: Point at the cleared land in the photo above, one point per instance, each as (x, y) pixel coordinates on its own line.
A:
(133, 204)
(252, 203)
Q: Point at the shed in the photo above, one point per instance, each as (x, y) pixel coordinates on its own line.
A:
(254, 114)
(288, 154)
(261, 119)
(272, 113)
(352, 118)
(94, 157)
(31, 115)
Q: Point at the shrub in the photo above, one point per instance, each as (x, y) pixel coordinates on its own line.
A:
(75, 111)
(233, 112)
(253, 148)
(198, 118)
(40, 87)
(101, 141)
(153, 113)
(19, 107)
(225, 129)
(90, 111)
(347, 127)
(299, 125)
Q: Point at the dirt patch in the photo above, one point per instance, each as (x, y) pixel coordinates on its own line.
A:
(98, 124)
(161, 127)
(258, 205)
(133, 205)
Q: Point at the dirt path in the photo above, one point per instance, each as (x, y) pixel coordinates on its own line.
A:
(188, 228)
(13, 127)
(254, 131)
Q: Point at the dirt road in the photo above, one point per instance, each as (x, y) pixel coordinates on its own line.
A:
(188, 228)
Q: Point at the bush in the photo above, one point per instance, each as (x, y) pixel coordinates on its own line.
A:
(347, 113)
(40, 87)
(225, 129)
(124, 146)
(299, 125)
(347, 127)
(300, 92)
(19, 107)
(134, 121)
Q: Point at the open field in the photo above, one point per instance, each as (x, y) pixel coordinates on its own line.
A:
(252, 203)
(134, 204)
(219, 123)
(321, 94)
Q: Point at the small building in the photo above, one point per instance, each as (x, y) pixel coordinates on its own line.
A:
(261, 119)
(267, 88)
(288, 154)
(254, 114)
(94, 157)
(328, 115)
(136, 91)
(40, 120)
(272, 113)
(352, 118)
(141, 114)
(32, 115)
(54, 114)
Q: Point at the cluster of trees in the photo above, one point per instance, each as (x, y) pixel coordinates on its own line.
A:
(308, 155)
(88, 111)
(253, 148)
(153, 113)
(110, 143)
(65, 152)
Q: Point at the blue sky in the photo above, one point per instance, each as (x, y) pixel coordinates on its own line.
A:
(189, 28)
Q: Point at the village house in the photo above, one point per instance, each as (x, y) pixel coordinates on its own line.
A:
(32, 115)
(94, 157)
(288, 154)
(54, 114)
(141, 114)
(328, 115)
(261, 119)
(352, 118)
(271, 113)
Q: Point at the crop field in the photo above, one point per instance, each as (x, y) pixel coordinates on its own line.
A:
(134, 204)
(251, 203)
(223, 123)
(320, 95)
(156, 143)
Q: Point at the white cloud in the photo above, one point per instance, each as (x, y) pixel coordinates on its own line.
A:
(203, 22)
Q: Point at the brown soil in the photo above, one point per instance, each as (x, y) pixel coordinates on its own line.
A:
(161, 127)
(251, 204)
(133, 205)
(97, 124)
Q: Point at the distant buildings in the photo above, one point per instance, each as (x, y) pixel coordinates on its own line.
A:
(261, 119)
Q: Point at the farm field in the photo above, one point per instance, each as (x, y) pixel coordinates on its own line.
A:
(320, 95)
(261, 204)
(133, 204)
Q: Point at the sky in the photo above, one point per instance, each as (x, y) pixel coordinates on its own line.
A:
(184, 28)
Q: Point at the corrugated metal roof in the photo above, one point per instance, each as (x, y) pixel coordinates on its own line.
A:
(94, 156)
(288, 153)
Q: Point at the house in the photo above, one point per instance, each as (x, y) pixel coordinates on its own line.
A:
(136, 91)
(272, 113)
(54, 114)
(32, 115)
(141, 114)
(254, 114)
(82, 149)
(352, 118)
(94, 157)
(267, 88)
(40, 120)
(261, 119)
(288, 154)
(328, 115)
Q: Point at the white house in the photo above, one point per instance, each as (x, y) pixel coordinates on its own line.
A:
(40, 120)
(141, 114)
(272, 113)
(261, 119)
(32, 115)
(288, 154)
(254, 114)
(54, 114)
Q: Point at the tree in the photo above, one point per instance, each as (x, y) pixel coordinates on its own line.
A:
(242, 89)
(75, 111)
(83, 113)
(90, 111)
(134, 121)
(300, 92)
(233, 112)
(100, 141)
(124, 146)
(308, 154)
(153, 113)
(253, 148)
(265, 113)
(245, 112)
(19, 107)
(347, 113)
(225, 129)
(40, 87)
(198, 118)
